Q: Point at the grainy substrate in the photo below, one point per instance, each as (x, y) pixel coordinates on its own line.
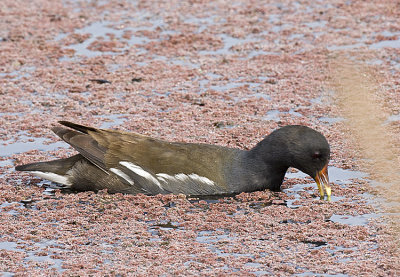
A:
(219, 72)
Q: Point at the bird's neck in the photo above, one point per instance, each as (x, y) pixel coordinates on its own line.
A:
(272, 151)
(269, 162)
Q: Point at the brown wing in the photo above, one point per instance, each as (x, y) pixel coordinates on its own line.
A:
(107, 148)
(84, 144)
(158, 156)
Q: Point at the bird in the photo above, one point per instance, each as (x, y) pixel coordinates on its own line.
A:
(132, 163)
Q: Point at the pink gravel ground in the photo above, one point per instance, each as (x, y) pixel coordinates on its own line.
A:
(220, 72)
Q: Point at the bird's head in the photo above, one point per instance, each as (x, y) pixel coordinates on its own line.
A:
(305, 149)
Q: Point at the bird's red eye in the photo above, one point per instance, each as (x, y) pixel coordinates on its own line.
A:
(317, 155)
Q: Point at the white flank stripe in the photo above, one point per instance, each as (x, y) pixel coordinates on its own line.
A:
(140, 171)
(122, 175)
(163, 177)
(185, 178)
(53, 177)
(182, 177)
(202, 179)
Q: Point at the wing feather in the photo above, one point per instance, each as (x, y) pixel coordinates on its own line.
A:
(108, 148)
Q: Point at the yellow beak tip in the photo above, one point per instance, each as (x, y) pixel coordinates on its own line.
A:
(328, 192)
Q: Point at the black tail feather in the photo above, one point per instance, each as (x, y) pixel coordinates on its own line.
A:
(78, 127)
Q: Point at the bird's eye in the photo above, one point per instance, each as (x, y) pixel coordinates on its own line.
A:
(317, 155)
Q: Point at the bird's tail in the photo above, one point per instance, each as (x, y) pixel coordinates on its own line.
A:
(55, 171)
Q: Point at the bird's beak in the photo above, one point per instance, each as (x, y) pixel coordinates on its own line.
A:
(322, 178)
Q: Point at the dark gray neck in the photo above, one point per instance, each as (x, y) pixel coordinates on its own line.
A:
(262, 167)
(272, 161)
